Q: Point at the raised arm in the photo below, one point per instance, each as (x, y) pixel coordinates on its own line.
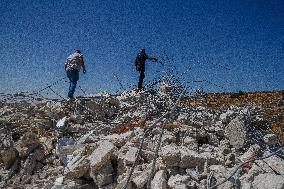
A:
(154, 59)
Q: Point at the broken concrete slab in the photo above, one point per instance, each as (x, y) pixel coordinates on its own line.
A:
(268, 181)
(9, 156)
(160, 180)
(103, 177)
(77, 167)
(236, 132)
(178, 182)
(170, 155)
(101, 155)
(141, 179)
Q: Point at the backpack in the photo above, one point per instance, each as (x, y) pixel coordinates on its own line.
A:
(74, 61)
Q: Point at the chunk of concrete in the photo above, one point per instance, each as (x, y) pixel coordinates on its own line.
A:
(101, 155)
(190, 142)
(8, 157)
(77, 167)
(188, 158)
(170, 155)
(160, 180)
(130, 155)
(141, 179)
(178, 182)
(62, 122)
(251, 153)
(29, 139)
(268, 181)
(275, 163)
(104, 176)
(236, 132)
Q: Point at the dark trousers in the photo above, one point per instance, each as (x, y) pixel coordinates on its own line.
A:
(73, 76)
(141, 77)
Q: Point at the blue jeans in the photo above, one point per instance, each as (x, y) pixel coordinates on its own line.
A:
(73, 76)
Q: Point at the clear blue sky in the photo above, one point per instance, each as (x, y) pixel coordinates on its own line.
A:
(245, 35)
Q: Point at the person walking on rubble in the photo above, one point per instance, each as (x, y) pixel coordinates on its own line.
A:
(140, 65)
(72, 67)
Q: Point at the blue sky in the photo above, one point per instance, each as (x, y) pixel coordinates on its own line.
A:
(246, 36)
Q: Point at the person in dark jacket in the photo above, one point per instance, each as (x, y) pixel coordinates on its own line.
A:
(140, 65)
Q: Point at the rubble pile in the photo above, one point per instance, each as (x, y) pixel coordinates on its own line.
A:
(89, 143)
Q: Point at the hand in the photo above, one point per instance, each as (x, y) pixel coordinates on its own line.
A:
(84, 71)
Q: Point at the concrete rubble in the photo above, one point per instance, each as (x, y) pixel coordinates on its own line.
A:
(54, 144)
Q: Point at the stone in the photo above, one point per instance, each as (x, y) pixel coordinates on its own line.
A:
(119, 139)
(213, 139)
(224, 147)
(147, 155)
(187, 157)
(226, 116)
(194, 175)
(219, 171)
(191, 159)
(141, 179)
(236, 133)
(121, 180)
(104, 176)
(29, 139)
(178, 182)
(109, 186)
(77, 167)
(170, 155)
(160, 180)
(28, 167)
(6, 140)
(8, 157)
(130, 155)
(268, 181)
(275, 163)
(47, 143)
(168, 139)
(101, 155)
(183, 118)
(246, 186)
(271, 139)
(190, 142)
(59, 181)
(251, 153)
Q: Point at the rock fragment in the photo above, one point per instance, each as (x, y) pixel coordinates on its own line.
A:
(236, 132)
(160, 180)
(170, 155)
(268, 181)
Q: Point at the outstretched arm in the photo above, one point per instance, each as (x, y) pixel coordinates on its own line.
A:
(154, 59)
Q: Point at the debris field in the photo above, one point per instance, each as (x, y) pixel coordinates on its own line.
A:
(143, 139)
